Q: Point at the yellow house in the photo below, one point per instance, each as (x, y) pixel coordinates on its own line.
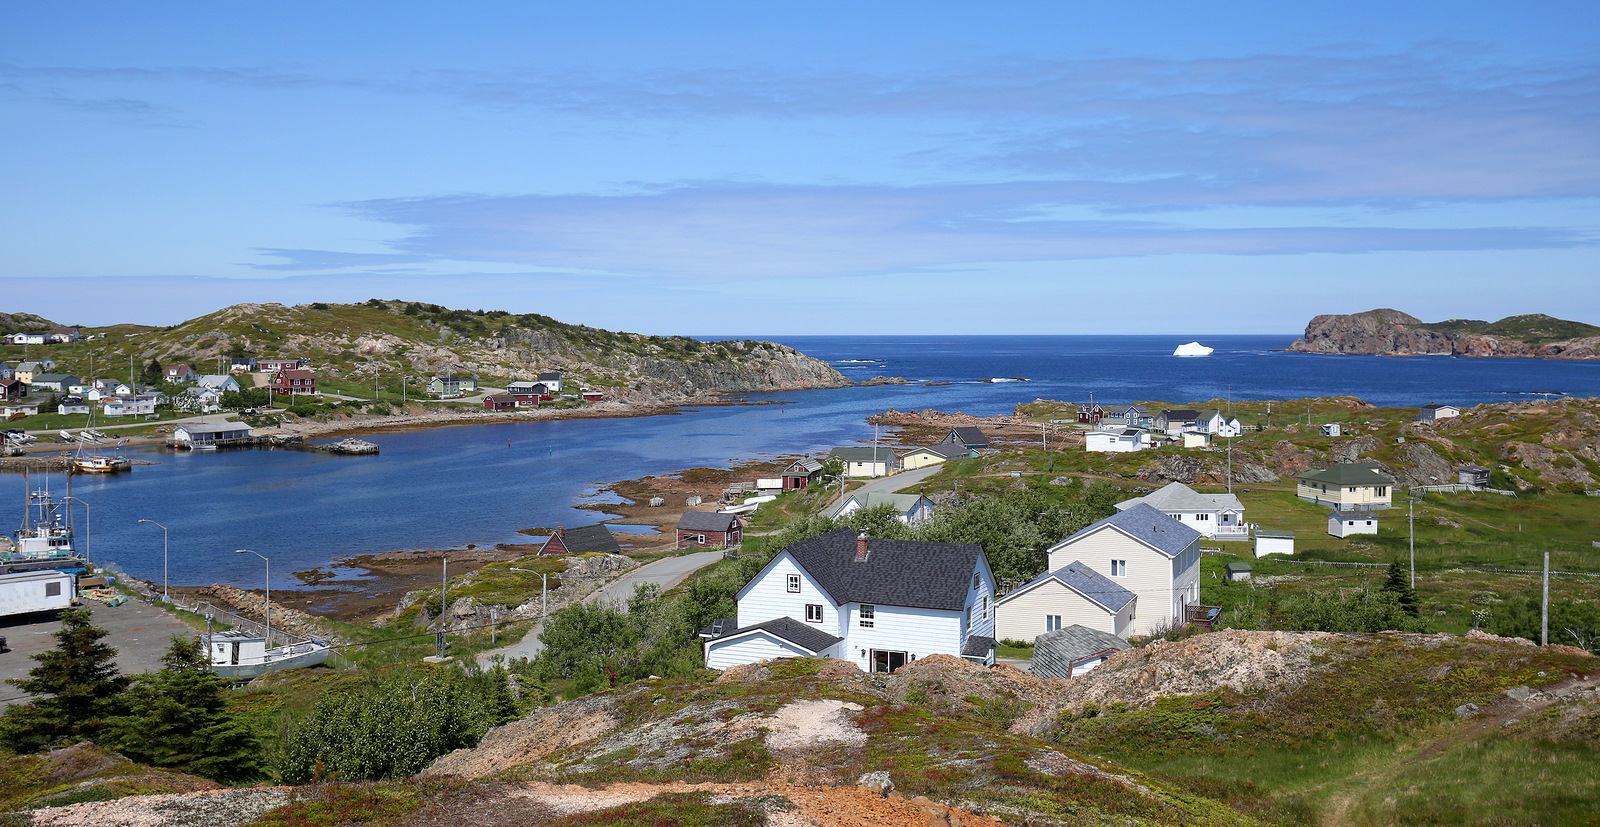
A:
(1346, 485)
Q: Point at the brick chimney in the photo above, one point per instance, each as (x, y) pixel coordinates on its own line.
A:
(560, 532)
(861, 548)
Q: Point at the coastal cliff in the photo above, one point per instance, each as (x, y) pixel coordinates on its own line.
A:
(1386, 332)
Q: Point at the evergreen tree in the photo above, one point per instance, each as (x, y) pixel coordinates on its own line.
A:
(79, 689)
(1399, 583)
(153, 374)
(179, 718)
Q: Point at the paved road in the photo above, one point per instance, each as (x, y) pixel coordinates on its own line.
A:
(666, 573)
(891, 483)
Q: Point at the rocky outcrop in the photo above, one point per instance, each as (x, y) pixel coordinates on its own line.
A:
(1386, 332)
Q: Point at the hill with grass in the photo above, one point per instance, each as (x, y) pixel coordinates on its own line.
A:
(1386, 332)
(385, 339)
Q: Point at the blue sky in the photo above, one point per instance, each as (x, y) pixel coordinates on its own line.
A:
(806, 168)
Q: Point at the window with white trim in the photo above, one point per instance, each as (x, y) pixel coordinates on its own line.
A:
(986, 607)
(1119, 568)
(1202, 517)
(794, 583)
(867, 616)
(1052, 623)
(813, 612)
(975, 580)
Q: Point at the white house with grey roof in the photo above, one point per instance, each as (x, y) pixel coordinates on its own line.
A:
(1111, 442)
(1074, 594)
(908, 508)
(1218, 516)
(868, 461)
(877, 603)
(1146, 552)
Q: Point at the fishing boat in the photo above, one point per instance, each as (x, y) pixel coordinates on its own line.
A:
(97, 464)
(240, 655)
(45, 539)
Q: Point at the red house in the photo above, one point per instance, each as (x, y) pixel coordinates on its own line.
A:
(708, 529)
(801, 473)
(275, 365)
(585, 540)
(500, 402)
(285, 382)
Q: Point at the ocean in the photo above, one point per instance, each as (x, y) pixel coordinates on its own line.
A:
(447, 487)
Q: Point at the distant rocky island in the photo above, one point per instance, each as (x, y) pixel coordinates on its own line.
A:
(1386, 332)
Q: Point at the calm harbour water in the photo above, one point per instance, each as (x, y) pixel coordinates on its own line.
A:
(447, 487)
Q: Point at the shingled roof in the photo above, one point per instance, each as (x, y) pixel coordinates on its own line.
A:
(589, 539)
(896, 572)
(1146, 524)
(1085, 581)
(805, 635)
(707, 521)
(1348, 473)
(1175, 496)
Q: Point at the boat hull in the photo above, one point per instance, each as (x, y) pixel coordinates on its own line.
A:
(249, 671)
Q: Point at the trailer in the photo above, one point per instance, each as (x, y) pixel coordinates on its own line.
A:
(36, 591)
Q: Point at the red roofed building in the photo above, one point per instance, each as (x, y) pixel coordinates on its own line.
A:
(296, 380)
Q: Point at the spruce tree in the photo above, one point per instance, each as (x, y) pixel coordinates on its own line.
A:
(1400, 583)
(179, 718)
(78, 687)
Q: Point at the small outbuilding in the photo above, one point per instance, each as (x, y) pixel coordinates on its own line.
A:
(201, 433)
(708, 529)
(1332, 429)
(1352, 521)
(1238, 570)
(1274, 542)
(1474, 475)
(586, 540)
(1073, 650)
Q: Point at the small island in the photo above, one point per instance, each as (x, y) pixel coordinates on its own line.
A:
(1386, 332)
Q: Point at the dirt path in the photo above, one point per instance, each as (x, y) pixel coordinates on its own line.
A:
(1337, 806)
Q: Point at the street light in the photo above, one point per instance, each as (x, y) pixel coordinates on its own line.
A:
(544, 592)
(269, 589)
(164, 597)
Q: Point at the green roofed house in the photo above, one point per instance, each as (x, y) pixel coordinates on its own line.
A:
(908, 508)
(1345, 486)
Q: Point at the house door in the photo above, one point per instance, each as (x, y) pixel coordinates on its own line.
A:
(883, 661)
(235, 660)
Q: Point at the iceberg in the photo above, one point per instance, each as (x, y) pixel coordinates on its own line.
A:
(1192, 349)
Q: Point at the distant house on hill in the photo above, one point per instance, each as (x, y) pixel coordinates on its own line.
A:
(1435, 412)
(1175, 422)
(1346, 485)
(449, 387)
(870, 461)
(934, 455)
(293, 381)
(801, 473)
(552, 381)
(968, 437)
(585, 540)
(908, 508)
(708, 529)
(1218, 516)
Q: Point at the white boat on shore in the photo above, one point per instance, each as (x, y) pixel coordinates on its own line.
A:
(238, 655)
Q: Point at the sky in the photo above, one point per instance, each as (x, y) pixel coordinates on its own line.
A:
(817, 168)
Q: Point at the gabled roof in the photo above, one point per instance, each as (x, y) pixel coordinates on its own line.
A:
(296, 373)
(804, 635)
(1348, 473)
(807, 465)
(948, 450)
(1145, 524)
(1068, 644)
(588, 539)
(1175, 496)
(1434, 406)
(978, 646)
(970, 435)
(900, 502)
(882, 453)
(1181, 414)
(707, 521)
(551, 375)
(1093, 585)
(220, 428)
(896, 572)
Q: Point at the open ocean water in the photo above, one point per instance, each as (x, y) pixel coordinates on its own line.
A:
(447, 487)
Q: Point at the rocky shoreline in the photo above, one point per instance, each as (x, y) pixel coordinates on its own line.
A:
(1393, 333)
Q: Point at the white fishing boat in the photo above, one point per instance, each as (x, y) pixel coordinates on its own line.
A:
(45, 539)
(239, 655)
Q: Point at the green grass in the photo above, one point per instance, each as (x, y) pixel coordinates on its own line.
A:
(677, 809)
(327, 805)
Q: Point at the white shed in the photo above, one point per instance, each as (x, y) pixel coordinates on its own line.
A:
(1352, 521)
(1274, 542)
(1112, 441)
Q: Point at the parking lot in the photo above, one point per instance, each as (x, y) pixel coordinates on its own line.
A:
(140, 633)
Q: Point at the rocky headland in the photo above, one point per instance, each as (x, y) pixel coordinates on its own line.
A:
(1386, 332)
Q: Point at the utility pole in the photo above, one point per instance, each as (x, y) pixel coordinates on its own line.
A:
(1411, 521)
(1544, 606)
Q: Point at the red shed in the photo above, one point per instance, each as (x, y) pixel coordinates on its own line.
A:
(500, 402)
(708, 529)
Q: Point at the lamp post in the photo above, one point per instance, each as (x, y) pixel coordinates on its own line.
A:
(544, 592)
(269, 589)
(164, 597)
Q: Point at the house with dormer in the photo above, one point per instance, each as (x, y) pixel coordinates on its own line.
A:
(877, 603)
(1218, 516)
(1146, 552)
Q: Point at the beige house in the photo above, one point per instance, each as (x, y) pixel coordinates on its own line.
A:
(1346, 485)
(1146, 552)
(1073, 595)
(933, 455)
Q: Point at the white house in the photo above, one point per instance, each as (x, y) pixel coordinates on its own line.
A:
(552, 381)
(1219, 424)
(219, 382)
(877, 603)
(1073, 595)
(1352, 521)
(1146, 552)
(1346, 485)
(1435, 412)
(908, 508)
(141, 404)
(1197, 439)
(1218, 516)
(199, 399)
(1113, 441)
(1332, 429)
(871, 461)
(27, 338)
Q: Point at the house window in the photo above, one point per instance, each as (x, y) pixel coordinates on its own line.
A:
(1352, 489)
(986, 607)
(1381, 491)
(975, 580)
(52, 589)
(794, 583)
(1202, 517)
(1119, 568)
(868, 615)
(1052, 623)
(1178, 517)
(813, 612)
